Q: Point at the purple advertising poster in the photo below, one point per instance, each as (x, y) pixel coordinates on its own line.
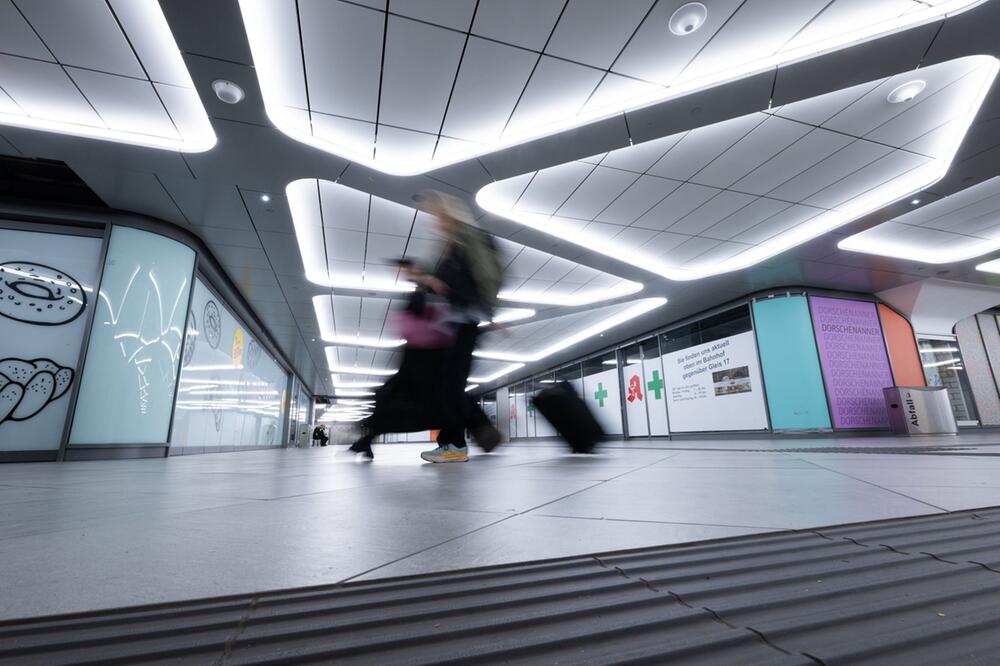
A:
(855, 364)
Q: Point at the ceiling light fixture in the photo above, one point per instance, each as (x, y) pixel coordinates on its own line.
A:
(275, 67)
(266, 198)
(637, 309)
(688, 18)
(494, 199)
(227, 91)
(906, 92)
(914, 202)
(304, 204)
(506, 370)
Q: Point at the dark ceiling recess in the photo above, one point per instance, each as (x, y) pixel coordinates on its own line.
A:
(49, 181)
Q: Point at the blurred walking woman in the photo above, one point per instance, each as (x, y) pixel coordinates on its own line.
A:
(468, 276)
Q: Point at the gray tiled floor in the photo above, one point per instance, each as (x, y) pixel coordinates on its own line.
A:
(78, 536)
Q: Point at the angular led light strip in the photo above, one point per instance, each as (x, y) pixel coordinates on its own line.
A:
(639, 308)
(304, 205)
(870, 242)
(990, 266)
(486, 379)
(902, 187)
(261, 16)
(193, 125)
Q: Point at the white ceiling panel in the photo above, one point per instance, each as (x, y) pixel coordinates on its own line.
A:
(17, 36)
(420, 64)
(489, 82)
(83, 33)
(642, 196)
(958, 227)
(593, 32)
(601, 188)
(95, 69)
(762, 181)
(130, 105)
(455, 14)
(524, 23)
(758, 30)
(558, 89)
(339, 32)
(43, 89)
(552, 65)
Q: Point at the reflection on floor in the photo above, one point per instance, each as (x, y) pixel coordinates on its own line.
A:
(86, 535)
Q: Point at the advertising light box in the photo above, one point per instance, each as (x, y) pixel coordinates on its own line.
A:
(715, 386)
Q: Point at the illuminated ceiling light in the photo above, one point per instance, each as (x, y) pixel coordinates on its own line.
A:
(936, 233)
(507, 315)
(471, 387)
(990, 266)
(324, 316)
(940, 363)
(505, 370)
(275, 68)
(688, 18)
(305, 206)
(906, 92)
(145, 26)
(351, 393)
(338, 383)
(637, 309)
(266, 198)
(228, 92)
(494, 199)
(914, 202)
(378, 372)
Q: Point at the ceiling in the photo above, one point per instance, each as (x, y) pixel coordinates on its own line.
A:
(618, 163)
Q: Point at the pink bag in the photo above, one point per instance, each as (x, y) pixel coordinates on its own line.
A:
(428, 330)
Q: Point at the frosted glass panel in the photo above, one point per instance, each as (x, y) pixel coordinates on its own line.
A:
(47, 286)
(232, 392)
(130, 373)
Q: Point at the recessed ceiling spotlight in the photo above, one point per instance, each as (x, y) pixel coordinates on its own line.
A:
(227, 91)
(688, 18)
(906, 92)
(265, 198)
(914, 202)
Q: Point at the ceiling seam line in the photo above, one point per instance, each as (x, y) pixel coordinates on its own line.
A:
(804, 27)
(322, 231)
(172, 199)
(534, 69)
(305, 72)
(937, 32)
(381, 79)
(94, 70)
(454, 83)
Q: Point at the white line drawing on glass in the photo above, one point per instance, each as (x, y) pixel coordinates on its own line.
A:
(26, 387)
(252, 354)
(38, 294)
(213, 399)
(211, 323)
(150, 340)
(191, 339)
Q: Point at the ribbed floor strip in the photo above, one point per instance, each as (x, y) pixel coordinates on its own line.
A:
(920, 590)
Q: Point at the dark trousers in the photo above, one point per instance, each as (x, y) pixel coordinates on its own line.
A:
(408, 401)
(458, 362)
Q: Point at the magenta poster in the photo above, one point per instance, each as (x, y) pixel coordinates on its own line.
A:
(855, 365)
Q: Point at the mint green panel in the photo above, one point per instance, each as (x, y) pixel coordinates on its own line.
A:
(792, 378)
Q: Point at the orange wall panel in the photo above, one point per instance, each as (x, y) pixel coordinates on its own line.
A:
(903, 354)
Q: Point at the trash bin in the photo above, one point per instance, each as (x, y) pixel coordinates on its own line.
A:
(919, 410)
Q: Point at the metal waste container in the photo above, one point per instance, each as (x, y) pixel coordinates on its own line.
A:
(919, 410)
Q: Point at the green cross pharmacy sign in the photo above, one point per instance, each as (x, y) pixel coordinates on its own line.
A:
(601, 394)
(656, 385)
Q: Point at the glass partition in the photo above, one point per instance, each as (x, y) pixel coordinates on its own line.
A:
(130, 374)
(633, 388)
(943, 366)
(655, 387)
(232, 392)
(48, 287)
(601, 391)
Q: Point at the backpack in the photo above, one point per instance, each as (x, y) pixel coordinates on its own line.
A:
(484, 260)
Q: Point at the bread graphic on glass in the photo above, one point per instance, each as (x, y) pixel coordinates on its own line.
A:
(26, 387)
(38, 294)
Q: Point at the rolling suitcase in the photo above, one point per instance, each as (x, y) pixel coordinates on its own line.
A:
(570, 416)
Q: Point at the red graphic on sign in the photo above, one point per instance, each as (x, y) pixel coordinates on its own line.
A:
(634, 389)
